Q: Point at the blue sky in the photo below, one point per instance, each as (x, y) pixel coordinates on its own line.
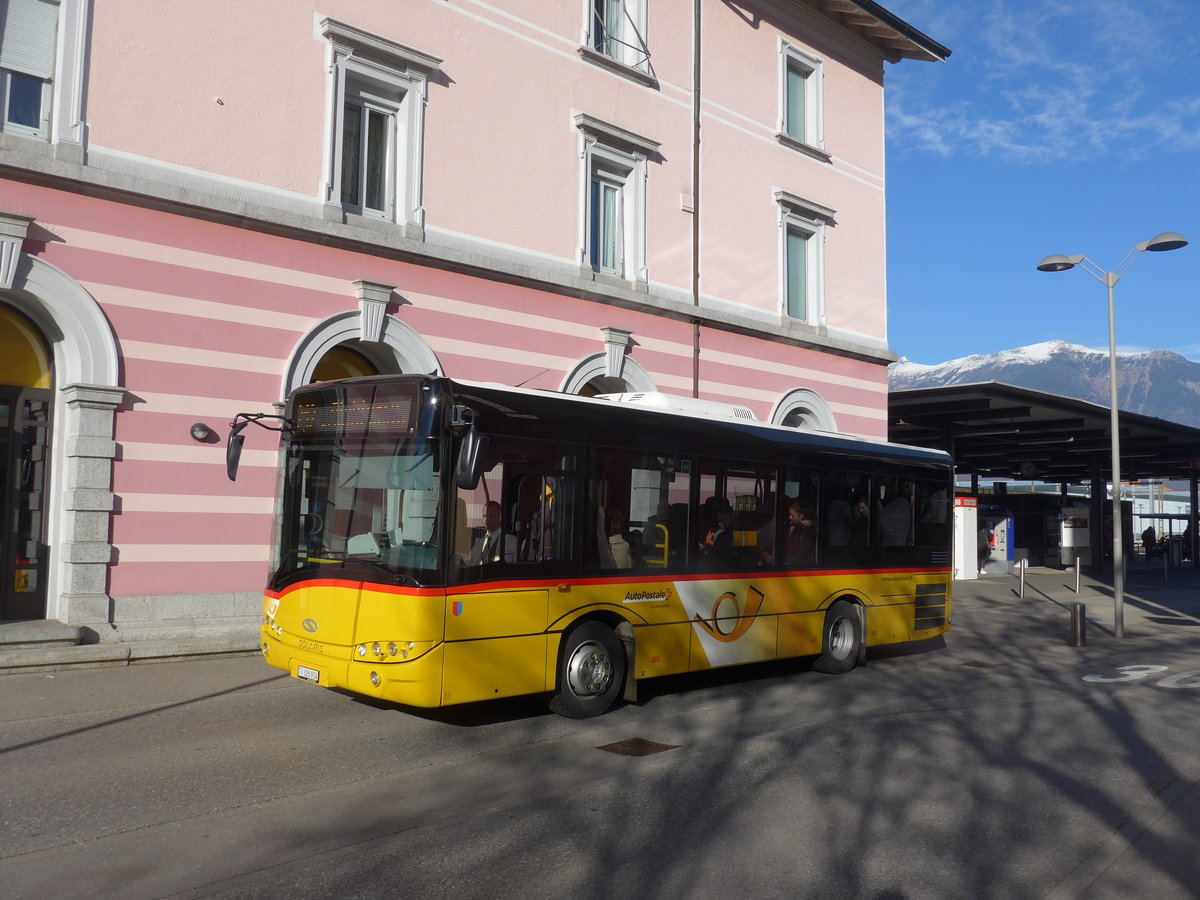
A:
(1056, 126)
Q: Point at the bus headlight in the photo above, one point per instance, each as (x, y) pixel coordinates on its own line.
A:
(393, 649)
(377, 649)
(375, 679)
(362, 650)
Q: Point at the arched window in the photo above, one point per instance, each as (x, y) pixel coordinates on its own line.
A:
(590, 377)
(805, 409)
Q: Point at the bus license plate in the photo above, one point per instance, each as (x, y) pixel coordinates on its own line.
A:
(308, 674)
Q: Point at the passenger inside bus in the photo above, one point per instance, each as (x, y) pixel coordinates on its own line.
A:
(860, 525)
(718, 541)
(800, 543)
(619, 544)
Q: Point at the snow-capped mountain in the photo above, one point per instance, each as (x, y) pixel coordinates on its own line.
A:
(1155, 383)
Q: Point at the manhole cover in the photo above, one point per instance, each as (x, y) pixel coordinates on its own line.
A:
(637, 747)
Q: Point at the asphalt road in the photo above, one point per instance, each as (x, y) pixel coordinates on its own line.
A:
(987, 765)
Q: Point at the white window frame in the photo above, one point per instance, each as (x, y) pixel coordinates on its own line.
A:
(627, 44)
(42, 129)
(809, 220)
(367, 102)
(29, 48)
(812, 139)
(368, 70)
(619, 158)
(607, 177)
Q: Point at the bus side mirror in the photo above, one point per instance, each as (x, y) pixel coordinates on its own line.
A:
(472, 448)
(233, 453)
(233, 448)
(472, 454)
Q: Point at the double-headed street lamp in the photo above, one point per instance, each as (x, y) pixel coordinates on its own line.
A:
(1168, 240)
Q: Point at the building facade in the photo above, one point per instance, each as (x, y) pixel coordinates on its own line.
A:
(203, 206)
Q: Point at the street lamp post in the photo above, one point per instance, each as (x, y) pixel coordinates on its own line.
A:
(1057, 263)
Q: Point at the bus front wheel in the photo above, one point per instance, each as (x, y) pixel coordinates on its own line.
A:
(591, 666)
(841, 641)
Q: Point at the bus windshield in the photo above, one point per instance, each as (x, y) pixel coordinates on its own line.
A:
(360, 495)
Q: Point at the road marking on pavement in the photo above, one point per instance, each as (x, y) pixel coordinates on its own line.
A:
(1180, 680)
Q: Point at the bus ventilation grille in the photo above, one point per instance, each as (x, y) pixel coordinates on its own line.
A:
(932, 601)
(637, 747)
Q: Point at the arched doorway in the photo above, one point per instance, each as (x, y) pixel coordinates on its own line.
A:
(343, 361)
(335, 348)
(26, 404)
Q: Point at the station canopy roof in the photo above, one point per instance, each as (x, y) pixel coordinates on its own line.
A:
(1002, 431)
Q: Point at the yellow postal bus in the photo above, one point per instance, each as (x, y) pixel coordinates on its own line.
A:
(442, 542)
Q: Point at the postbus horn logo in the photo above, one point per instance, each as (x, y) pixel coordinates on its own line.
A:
(730, 619)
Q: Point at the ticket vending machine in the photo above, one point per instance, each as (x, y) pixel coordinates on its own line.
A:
(966, 539)
(996, 526)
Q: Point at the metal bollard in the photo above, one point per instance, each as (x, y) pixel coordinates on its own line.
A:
(1077, 568)
(1023, 564)
(1078, 624)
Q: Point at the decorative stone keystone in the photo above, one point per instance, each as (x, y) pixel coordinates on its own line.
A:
(616, 344)
(373, 298)
(13, 229)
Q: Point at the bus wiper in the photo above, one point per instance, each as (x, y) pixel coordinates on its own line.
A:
(376, 563)
(365, 559)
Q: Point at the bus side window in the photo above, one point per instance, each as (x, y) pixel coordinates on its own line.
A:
(894, 511)
(933, 513)
(469, 527)
(659, 496)
(802, 491)
(623, 491)
(535, 517)
(846, 536)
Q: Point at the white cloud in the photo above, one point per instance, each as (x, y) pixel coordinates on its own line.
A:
(1189, 351)
(1037, 82)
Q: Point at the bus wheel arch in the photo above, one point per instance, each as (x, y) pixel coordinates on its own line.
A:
(593, 665)
(843, 641)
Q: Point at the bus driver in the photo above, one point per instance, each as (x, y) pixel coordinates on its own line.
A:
(488, 546)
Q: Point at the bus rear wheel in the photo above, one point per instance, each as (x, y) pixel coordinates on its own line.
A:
(591, 666)
(842, 639)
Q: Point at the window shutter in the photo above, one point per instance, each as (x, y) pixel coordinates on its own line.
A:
(27, 37)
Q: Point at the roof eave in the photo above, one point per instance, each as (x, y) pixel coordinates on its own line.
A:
(892, 35)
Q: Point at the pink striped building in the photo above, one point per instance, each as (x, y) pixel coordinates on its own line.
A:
(205, 205)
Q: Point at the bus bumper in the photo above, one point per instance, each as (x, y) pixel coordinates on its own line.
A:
(414, 682)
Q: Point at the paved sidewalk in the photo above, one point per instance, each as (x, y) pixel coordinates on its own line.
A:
(1161, 612)
(1157, 602)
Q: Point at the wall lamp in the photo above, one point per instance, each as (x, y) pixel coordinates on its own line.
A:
(201, 432)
